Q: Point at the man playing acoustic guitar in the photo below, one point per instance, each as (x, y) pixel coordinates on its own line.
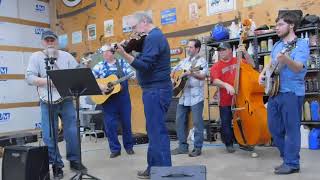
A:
(284, 108)
(117, 106)
(192, 96)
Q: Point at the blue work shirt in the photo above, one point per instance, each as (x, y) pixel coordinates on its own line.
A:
(291, 81)
(153, 63)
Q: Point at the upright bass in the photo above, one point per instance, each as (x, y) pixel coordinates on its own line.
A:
(250, 124)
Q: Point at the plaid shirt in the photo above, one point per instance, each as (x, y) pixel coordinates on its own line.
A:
(104, 69)
(193, 92)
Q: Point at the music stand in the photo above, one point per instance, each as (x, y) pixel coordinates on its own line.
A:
(76, 83)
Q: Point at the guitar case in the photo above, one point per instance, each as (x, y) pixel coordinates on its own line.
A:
(197, 172)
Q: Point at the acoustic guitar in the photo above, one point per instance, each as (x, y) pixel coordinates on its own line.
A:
(180, 81)
(113, 82)
(272, 79)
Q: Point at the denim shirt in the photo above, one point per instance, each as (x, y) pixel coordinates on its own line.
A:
(193, 92)
(291, 81)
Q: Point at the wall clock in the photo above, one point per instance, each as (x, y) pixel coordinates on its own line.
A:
(71, 3)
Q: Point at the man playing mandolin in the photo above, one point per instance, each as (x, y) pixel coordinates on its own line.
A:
(117, 106)
(284, 108)
(192, 97)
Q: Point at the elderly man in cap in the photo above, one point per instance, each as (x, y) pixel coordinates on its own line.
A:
(117, 108)
(39, 62)
(222, 75)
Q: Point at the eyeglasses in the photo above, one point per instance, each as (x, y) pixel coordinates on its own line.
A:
(50, 40)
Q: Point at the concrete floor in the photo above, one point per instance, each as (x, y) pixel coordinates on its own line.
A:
(220, 165)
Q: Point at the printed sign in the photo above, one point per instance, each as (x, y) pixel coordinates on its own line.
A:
(169, 16)
(3, 70)
(176, 51)
(63, 41)
(92, 32)
(76, 37)
(108, 28)
(193, 11)
(4, 116)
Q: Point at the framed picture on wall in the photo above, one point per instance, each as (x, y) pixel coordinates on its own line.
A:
(108, 28)
(220, 6)
(92, 32)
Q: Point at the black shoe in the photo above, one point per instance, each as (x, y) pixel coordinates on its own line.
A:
(144, 174)
(284, 169)
(57, 172)
(130, 151)
(115, 154)
(246, 148)
(76, 166)
(230, 149)
(179, 151)
(195, 152)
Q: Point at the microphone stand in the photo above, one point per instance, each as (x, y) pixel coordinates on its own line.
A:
(49, 61)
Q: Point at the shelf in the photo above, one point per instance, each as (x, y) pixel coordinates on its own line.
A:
(314, 47)
(212, 42)
(235, 40)
(264, 53)
(310, 122)
(307, 29)
(312, 93)
(313, 70)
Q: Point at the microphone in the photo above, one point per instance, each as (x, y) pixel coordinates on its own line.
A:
(51, 53)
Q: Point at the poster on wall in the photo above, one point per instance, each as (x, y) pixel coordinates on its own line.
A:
(34, 10)
(220, 6)
(193, 11)
(92, 32)
(9, 8)
(63, 41)
(248, 3)
(125, 24)
(108, 28)
(76, 37)
(168, 16)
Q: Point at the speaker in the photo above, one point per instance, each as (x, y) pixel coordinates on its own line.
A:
(25, 163)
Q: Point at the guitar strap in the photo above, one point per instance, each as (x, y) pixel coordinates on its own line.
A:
(119, 69)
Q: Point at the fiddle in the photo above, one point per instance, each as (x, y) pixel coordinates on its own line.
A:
(135, 42)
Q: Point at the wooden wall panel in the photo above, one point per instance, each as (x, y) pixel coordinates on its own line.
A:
(264, 13)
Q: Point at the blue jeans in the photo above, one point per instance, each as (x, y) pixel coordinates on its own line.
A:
(68, 117)
(156, 103)
(182, 121)
(118, 108)
(284, 116)
(226, 125)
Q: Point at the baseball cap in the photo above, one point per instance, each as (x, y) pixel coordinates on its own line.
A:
(48, 34)
(223, 46)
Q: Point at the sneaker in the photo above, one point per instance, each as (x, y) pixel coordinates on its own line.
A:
(130, 151)
(76, 166)
(179, 151)
(57, 172)
(195, 152)
(230, 149)
(285, 169)
(144, 174)
(115, 154)
(278, 167)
